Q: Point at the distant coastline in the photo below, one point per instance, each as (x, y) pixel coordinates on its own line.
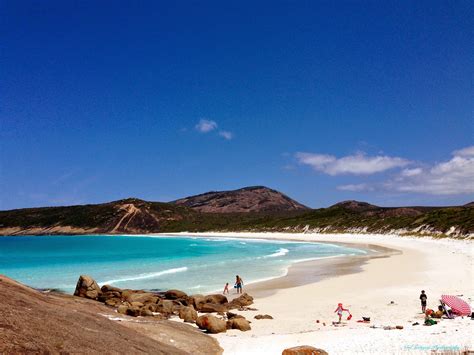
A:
(251, 209)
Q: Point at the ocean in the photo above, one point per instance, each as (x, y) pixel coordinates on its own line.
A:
(191, 264)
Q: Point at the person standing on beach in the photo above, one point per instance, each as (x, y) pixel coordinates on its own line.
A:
(423, 299)
(226, 288)
(238, 283)
(340, 308)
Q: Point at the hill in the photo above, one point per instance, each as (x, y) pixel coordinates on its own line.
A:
(456, 221)
(124, 216)
(249, 209)
(247, 199)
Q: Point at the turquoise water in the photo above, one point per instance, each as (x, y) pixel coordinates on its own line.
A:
(191, 264)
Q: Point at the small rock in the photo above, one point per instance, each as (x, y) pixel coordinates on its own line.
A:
(196, 301)
(142, 297)
(212, 307)
(241, 301)
(231, 315)
(165, 307)
(217, 299)
(241, 324)
(122, 309)
(133, 311)
(109, 288)
(267, 316)
(146, 312)
(211, 324)
(175, 295)
(304, 350)
(87, 287)
(113, 302)
(188, 314)
(108, 295)
(247, 309)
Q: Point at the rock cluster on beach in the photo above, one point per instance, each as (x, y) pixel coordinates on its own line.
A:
(44, 322)
(170, 303)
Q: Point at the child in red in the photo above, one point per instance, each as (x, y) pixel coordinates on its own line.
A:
(339, 311)
(226, 288)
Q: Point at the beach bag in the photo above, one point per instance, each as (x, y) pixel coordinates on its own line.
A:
(350, 317)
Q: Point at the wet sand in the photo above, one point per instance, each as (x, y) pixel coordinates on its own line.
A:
(308, 272)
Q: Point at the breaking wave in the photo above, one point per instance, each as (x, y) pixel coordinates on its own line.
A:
(150, 275)
(279, 252)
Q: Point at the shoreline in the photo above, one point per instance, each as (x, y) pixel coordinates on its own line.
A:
(295, 273)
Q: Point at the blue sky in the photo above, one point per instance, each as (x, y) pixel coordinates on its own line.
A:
(325, 101)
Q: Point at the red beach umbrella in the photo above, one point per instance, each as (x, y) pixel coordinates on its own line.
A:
(457, 305)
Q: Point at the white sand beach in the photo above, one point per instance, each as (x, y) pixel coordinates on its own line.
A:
(439, 266)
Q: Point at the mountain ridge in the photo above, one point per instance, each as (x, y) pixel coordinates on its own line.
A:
(246, 199)
(279, 214)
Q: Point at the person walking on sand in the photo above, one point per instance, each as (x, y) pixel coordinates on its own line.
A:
(238, 283)
(340, 308)
(423, 298)
(226, 288)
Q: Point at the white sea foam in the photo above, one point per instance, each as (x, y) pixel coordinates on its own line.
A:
(150, 275)
(319, 258)
(279, 252)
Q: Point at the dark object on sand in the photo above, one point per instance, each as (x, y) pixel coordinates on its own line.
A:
(267, 316)
(366, 319)
(416, 323)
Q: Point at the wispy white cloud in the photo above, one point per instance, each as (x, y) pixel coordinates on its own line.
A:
(226, 135)
(411, 172)
(205, 126)
(452, 177)
(465, 152)
(358, 164)
(356, 187)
